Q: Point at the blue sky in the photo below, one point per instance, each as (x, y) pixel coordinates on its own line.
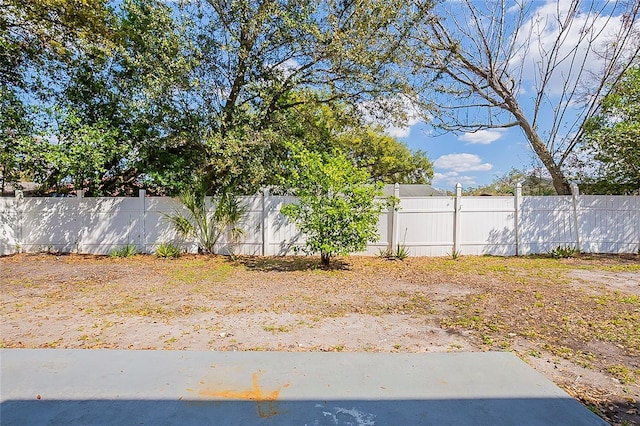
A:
(474, 159)
(470, 159)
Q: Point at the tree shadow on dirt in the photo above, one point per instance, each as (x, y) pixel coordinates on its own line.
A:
(291, 263)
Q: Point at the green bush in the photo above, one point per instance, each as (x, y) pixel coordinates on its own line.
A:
(337, 209)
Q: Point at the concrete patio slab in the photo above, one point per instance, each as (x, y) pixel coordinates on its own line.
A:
(99, 387)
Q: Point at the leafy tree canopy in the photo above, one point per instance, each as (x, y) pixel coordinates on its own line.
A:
(612, 139)
(165, 91)
(339, 128)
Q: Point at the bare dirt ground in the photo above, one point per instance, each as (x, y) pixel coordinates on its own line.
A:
(576, 320)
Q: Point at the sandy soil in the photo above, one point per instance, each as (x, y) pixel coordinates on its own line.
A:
(573, 320)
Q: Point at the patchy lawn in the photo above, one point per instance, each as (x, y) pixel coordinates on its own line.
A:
(575, 320)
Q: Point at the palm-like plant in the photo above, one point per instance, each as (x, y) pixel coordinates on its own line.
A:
(208, 218)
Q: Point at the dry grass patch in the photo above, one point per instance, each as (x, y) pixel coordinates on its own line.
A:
(569, 318)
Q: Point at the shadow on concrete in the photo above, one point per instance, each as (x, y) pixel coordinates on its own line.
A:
(516, 411)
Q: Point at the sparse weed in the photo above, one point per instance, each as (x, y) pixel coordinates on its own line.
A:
(168, 250)
(561, 252)
(455, 254)
(385, 253)
(622, 373)
(127, 250)
(278, 328)
(401, 253)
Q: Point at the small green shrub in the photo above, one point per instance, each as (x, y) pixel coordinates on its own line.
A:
(168, 250)
(385, 253)
(127, 250)
(400, 253)
(561, 252)
(455, 254)
(337, 208)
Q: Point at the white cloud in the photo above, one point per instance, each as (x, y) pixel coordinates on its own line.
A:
(401, 131)
(588, 34)
(450, 179)
(462, 163)
(483, 137)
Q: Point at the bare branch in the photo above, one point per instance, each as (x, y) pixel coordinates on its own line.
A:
(487, 57)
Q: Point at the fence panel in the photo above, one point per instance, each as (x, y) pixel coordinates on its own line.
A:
(487, 226)
(609, 224)
(9, 225)
(251, 240)
(547, 222)
(50, 224)
(426, 226)
(282, 235)
(110, 223)
(158, 230)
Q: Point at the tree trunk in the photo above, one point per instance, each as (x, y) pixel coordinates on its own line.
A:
(560, 182)
(325, 258)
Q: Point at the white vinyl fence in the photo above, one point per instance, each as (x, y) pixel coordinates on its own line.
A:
(426, 226)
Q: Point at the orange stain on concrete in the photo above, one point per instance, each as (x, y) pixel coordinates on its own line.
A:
(264, 398)
(257, 393)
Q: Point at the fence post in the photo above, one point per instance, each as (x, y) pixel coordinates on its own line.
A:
(456, 219)
(19, 198)
(575, 192)
(393, 241)
(266, 228)
(80, 220)
(142, 195)
(516, 216)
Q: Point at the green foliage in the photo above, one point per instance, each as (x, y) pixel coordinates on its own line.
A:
(562, 252)
(611, 138)
(127, 250)
(107, 106)
(208, 218)
(534, 182)
(339, 128)
(33, 31)
(168, 250)
(337, 209)
(14, 135)
(401, 253)
(385, 158)
(154, 94)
